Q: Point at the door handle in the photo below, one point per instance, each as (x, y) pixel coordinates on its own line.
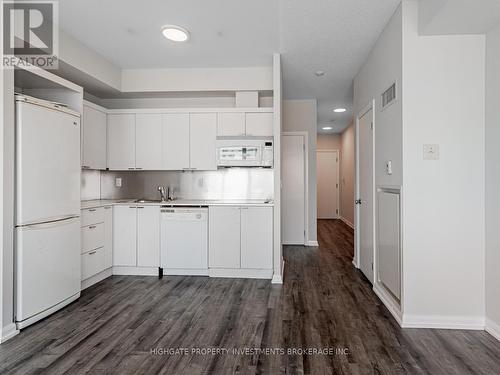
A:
(357, 201)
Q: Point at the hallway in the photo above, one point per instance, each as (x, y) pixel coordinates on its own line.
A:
(130, 323)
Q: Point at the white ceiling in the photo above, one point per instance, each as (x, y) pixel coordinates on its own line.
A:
(330, 35)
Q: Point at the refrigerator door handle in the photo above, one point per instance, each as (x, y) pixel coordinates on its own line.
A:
(53, 223)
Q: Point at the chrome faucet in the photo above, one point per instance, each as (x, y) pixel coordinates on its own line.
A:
(163, 194)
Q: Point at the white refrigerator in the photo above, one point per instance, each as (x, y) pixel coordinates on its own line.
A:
(47, 233)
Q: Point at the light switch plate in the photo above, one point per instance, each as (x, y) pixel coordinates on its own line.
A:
(431, 152)
(118, 182)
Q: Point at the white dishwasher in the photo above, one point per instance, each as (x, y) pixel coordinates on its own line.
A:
(184, 241)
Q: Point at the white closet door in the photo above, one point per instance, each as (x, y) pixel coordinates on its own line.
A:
(202, 136)
(148, 141)
(175, 139)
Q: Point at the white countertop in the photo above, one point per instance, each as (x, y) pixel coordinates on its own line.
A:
(178, 202)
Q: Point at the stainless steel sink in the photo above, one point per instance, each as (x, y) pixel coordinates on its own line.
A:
(147, 201)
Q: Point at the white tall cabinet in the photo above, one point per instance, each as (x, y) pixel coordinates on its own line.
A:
(93, 137)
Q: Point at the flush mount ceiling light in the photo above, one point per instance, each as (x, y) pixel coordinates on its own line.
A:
(339, 110)
(327, 128)
(175, 33)
(319, 73)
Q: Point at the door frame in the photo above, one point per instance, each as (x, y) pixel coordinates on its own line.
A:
(338, 178)
(357, 249)
(305, 136)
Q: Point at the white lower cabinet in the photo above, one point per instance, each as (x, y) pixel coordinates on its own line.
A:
(97, 238)
(136, 237)
(256, 237)
(125, 236)
(224, 237)
(241, 241)
(108, 236)
(148, 236)
(92, 263)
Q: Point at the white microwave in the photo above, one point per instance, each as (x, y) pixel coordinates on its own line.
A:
(244, 153)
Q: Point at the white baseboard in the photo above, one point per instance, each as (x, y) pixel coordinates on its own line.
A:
(312, 243)
(493, 328)
(389, 302)
(185, 272)
(443, 322)
(240, 273)
(8, 332)
(97, 278)
(278, 279)
(346, 222)
(135, 271)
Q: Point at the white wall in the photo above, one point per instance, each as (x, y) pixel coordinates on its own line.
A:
(301, 115)
(443, 202)
(493, 180)
(328, 142)
(381, 69)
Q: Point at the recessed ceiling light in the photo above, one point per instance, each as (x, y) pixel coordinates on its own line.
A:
(327, 128)
(175, 33)
(319, 73)
(339, 110)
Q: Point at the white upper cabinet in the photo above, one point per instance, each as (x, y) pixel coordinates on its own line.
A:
(231, 124)
(93, 138)
(257, 237)
(148, 236)
(202, 138)
(175, 141)
(121, 141)
(259, 124)
(148, 141)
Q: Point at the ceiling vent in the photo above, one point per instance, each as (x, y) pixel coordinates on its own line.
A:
(389, 96)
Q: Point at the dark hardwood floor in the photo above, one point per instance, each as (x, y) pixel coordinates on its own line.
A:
(123, 324)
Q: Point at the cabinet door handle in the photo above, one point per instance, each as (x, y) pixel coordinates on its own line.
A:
(92, 252)
(85, 167)
(139, 168)
(107, 207)
(132, 207)
(92, 210)
(92, 227)
(140, 207)
(131, 169)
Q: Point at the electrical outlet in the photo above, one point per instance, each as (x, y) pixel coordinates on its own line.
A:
(118, 182)
(431, 152)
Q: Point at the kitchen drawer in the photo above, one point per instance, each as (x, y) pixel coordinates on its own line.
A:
(92, 216)
(92, 237)
(93, 262)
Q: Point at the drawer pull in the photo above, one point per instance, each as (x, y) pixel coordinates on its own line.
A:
(92, 227)
(92, 210)
(92, 252)
(140, 206)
